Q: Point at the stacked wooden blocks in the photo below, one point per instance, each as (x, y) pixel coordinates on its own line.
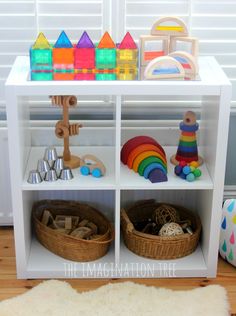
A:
(168, 38)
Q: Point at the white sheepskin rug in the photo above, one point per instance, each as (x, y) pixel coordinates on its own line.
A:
(127, 299)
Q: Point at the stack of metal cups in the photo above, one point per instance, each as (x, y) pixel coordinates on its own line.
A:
(50, 168)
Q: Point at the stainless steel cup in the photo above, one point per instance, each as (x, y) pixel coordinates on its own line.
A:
(58, 166)
(51, 176)
(43, 167)
(34, 177)
(66, 174)
(50, 155)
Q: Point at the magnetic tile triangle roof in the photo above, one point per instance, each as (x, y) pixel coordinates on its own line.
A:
(41, 42)
(63, 41)
(106, 41)
(85, 41)
(128, 42)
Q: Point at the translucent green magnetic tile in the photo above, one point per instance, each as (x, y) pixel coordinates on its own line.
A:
(41, 76)
(41, 59)
(105, 58)
(105, 76)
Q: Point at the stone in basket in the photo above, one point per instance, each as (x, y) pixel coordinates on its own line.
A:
(154, 246)
(70, 246)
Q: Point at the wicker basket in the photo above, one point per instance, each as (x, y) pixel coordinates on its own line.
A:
(156, 247)
(67, 246)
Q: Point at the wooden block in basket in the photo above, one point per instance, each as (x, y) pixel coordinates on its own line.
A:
(71, 222)
(82, 232)
(67, 246)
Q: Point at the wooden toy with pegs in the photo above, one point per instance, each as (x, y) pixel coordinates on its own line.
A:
(64, 129)
(90, 164)
(187, 148)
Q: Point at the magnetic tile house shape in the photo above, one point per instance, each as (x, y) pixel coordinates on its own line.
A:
(106, 53)
(63, 53)
(41, 54)
(127, 59)
(127, 52)
(84, 53)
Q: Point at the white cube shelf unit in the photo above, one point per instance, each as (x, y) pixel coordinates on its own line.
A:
(120, 186)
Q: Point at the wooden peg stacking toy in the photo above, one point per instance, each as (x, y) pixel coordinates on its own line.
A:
(145, 155)
(64, 129)
(187, 148)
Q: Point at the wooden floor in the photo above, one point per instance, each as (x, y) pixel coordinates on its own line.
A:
(10, 286)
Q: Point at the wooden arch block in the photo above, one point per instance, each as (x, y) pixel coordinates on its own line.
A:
(188, 62)
(164, 68)
(170, 26)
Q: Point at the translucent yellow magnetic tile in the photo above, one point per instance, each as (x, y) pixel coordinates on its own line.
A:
(169, 28)
(125, 76)
(41, 42)
(127, 54)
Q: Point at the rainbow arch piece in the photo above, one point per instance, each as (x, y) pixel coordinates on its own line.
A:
(144, 155)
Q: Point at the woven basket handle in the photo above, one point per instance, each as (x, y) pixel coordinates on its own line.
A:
(129, 227)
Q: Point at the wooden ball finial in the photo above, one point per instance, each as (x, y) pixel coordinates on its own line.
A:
(189, 118)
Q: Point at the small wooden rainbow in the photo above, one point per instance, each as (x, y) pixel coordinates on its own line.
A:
(145, 155)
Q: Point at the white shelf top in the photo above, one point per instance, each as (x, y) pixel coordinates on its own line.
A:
(105, 154)
(128, 178)
(211, 79)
